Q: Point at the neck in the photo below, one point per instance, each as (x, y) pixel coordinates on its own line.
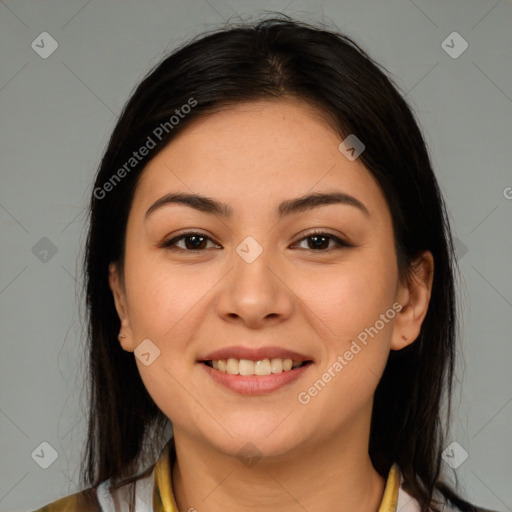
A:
(317, 476)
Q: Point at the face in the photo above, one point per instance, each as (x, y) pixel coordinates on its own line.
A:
(314, 283)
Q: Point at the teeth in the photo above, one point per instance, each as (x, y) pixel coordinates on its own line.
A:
(262, 367)
(287, 365)
(232, 366)
(276, 365)
(247, 367)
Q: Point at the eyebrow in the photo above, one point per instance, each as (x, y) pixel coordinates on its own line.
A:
(288, 207)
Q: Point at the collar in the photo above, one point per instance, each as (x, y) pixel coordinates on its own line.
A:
(163, 496)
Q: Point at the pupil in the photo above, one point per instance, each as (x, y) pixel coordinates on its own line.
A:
(316, 239)
(196, 238)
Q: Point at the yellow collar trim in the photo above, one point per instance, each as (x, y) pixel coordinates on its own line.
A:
(163, 496)
(390, 497)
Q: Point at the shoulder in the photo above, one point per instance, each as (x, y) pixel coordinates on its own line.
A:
(104, 497)
(83, 501)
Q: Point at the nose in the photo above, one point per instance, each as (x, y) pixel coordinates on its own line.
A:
(256, 293)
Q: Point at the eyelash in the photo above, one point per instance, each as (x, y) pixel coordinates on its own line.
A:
(171, 244)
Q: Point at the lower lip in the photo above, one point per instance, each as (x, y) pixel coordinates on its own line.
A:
(255, 384)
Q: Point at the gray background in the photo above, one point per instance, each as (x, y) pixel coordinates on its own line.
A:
(57, 114)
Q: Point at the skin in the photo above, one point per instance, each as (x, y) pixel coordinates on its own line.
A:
(253, 156)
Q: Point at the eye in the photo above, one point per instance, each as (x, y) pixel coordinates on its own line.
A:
(197, 242)
(320, 241)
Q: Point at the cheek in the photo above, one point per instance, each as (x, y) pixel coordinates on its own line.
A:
(356, 343)
(351, 296)
(173, 393)
(163, 297)
(348, 302)
(166, 306)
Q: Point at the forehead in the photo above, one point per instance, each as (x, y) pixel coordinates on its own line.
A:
(258, 152)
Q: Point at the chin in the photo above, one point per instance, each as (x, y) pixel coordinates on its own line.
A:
(251, 441)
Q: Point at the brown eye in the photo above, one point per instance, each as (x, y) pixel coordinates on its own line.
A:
(192, 242)
(316, 241)
(319, 242)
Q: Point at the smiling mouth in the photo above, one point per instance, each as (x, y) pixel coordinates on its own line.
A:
(261, 367)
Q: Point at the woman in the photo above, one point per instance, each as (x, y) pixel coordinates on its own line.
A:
(269, 269)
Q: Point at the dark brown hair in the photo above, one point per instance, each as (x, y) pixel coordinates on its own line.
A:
(278, 58)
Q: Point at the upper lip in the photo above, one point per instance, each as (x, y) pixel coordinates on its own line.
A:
(254, 354)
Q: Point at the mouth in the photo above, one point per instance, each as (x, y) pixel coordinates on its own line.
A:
(255, 371)
(261, 367)
(255, 377)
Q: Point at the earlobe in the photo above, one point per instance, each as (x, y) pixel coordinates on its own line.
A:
(414, 297)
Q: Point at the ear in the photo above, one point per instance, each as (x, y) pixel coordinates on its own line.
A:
(414, 297)
(118, 290)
